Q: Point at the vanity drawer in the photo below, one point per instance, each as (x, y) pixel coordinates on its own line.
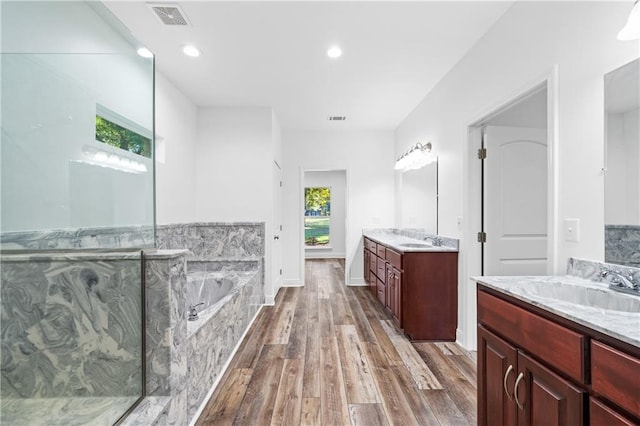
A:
(381, 251)
(394, 258)
(382, 292)
(600, 414)
(560, 347)
(370, 245)
(614, 375)
(381, 267)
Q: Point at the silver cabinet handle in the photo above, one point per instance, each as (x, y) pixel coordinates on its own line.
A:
(515, 390)
(504, 382)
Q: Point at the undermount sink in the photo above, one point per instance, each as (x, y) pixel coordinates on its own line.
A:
(600, 298)
(415, 245)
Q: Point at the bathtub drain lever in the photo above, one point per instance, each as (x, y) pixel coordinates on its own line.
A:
(193, 311)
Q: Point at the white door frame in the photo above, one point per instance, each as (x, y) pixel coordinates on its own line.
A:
(347, 260)
(470, 254)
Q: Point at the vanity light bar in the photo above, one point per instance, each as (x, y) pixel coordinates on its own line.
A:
(416, 157)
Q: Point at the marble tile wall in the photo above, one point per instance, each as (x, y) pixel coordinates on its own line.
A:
(79, 238)
(209, 241)
(71, 325)
(622, 244)
(213, 340)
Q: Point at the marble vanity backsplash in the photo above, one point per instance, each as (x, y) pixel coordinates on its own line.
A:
(417, 234)
(80, 238)
(622, 244)
(591, 270)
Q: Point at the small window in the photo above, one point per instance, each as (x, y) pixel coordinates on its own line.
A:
(111, 130)
(317, 216)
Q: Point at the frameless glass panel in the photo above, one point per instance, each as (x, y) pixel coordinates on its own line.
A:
(419, 198)
(71, 337)
(61, 186)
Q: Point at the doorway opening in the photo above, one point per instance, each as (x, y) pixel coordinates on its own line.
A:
(323, 215)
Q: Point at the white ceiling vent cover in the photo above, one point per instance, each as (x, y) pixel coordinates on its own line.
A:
(337, 118)
(169, 13)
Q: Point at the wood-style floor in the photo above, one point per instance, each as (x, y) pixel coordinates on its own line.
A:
(328, 354)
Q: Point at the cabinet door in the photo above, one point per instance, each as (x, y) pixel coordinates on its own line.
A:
(366, 267)
(396, 296)
(546, 398)
(600, 414)
(389, 283)
(496, 378)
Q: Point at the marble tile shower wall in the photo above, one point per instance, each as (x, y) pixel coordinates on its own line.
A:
(622, 244)
(209, 241)
(71, 325)
(79, 238)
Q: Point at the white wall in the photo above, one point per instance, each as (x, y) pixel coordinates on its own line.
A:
(368, 159)
(234, 159)
(176, 127)
(523, 46)
(337, 181)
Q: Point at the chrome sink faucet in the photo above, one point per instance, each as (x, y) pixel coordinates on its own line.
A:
(620, 282)
(436, 241)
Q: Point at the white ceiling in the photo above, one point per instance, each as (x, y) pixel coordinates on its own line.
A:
(274, 54)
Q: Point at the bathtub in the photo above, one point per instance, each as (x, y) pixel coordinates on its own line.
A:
(231, 301)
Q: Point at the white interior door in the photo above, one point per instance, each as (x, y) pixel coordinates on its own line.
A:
(515, 201)
(276, 266)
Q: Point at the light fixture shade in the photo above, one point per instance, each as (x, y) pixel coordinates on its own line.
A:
(418, 156)
(631, 30)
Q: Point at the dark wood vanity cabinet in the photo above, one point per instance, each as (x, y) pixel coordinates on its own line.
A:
(533, 370)
(418, 289)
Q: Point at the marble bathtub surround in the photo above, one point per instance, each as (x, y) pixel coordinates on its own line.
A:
(622, 245)
(209, 241)
(580, 296)
(142, 236)
(71, 329)
(395, 238)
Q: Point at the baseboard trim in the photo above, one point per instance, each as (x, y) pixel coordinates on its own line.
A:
(357, 282)
(192, 422)
(292, 282)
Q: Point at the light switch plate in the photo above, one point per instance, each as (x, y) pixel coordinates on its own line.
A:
(572, 230)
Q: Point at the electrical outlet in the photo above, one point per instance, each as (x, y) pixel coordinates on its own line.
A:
(572, 230)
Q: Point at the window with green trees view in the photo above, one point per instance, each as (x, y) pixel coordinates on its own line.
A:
(115, 135)
(317, 216)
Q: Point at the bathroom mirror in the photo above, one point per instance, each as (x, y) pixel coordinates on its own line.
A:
(622, 154)
(419, 198)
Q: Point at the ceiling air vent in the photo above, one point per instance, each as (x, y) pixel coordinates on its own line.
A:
(169, 14)
(337, 118)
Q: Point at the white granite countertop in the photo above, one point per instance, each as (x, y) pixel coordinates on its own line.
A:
(588, 303)
(396, 241)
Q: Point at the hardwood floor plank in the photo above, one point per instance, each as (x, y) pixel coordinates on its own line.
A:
(367, 415)
(421, 374)
(288, 405)
(340, 360)
(310, 412)
(333, 399)
(227, 399)
(397, 409)
(259, 399)
(358, 379)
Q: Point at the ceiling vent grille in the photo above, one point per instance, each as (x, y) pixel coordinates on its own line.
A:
(169, 14)
(337, 118)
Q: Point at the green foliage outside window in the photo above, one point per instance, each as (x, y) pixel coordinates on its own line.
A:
(317, 221)
(120, 137)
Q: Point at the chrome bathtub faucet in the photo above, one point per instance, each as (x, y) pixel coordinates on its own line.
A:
(620, 282)
(193, 311)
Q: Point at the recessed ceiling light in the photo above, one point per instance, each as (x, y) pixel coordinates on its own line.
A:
(334, 52)
(145, 53)
(190, 50)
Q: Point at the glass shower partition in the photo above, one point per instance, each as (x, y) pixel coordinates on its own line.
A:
(76, 210)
